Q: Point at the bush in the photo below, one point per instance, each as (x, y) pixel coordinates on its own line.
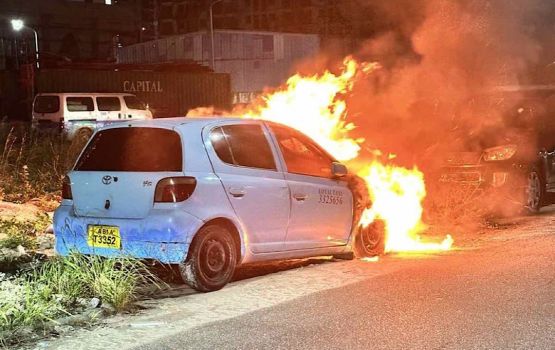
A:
(114, 281)
(32, 165)
(54, 289)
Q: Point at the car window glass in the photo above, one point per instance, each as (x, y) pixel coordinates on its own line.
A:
(47, 104)
(133, 149)
(132, 102)
(108, 103)
(221, 146)
(301, 155)
(243, 145)
(80, 104)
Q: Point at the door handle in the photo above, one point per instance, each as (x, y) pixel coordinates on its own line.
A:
(237, 192)
(300, 197)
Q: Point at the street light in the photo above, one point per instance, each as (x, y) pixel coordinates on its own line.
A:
(18, 25)
(212, 30)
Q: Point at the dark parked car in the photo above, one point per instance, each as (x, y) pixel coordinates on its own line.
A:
(515, 157)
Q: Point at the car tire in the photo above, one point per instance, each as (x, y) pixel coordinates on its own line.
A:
(535, 192)
(211, 261)
(369, 241)
(80, 139)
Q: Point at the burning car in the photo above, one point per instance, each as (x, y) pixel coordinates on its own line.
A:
(516, 157)
(208, 194)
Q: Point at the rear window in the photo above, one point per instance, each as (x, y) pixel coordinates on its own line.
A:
(133, 149)
(80, 104)
(47, 104)
(133, 102)
(108, 104)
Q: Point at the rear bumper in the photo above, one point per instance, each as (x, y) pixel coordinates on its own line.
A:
(165, 235)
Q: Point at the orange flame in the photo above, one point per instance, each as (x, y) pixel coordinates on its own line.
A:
(315, 105)
(397, 195)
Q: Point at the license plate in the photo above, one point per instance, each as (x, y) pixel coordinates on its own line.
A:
(104, 237)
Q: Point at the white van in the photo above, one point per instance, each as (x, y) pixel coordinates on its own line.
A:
(79, 114)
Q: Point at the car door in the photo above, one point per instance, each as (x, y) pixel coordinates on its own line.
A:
(244, 160)
(321, 207)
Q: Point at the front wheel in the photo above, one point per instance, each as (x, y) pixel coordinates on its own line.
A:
(534, 192)
(369, 241)
(211, 260)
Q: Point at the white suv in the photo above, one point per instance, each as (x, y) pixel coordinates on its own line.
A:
(207, 194)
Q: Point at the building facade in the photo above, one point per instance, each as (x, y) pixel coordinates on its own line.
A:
(255, 60)
(322, 17)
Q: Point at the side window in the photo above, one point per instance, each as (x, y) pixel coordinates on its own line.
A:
(107, 104)
(243, 145)
(80, 104)
(132, 102)
(302, 156)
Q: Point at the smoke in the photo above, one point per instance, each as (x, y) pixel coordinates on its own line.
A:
(439, 57)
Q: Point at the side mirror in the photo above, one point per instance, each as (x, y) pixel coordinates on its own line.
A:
(338, 169)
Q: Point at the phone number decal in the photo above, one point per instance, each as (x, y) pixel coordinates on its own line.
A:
(331, 197)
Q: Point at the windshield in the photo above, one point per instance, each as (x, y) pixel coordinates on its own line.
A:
(133, 149)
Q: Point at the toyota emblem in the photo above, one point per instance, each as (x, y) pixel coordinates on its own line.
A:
(107, 180)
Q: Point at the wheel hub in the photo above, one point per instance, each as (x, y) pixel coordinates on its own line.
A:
(214, 257)
(370, 237)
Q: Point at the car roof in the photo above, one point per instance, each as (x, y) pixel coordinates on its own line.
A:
(176, 122)
(82, 94)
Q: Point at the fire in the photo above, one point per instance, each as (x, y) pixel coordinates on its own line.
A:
(315, 105)
(397, 194)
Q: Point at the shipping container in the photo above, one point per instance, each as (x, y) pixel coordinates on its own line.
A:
(168, 94)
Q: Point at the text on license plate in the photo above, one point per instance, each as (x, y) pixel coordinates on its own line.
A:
(103, 236)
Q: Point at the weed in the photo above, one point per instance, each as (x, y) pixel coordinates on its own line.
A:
(32, 165)
(54, 289)
(22, 233)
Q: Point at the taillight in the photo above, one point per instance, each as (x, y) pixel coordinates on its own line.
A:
(66, 189)
(174, 189)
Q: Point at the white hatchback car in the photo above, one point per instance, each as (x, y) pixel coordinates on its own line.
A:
(207, 194)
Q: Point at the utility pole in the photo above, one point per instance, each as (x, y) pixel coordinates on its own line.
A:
(212, 32)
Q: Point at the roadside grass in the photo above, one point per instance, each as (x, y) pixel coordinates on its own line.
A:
(22, 233)
(32, 301)
(32, 165)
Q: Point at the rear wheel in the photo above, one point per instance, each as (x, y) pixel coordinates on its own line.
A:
(370, 240)
(211, 260)
(535, 193)
(80, 139)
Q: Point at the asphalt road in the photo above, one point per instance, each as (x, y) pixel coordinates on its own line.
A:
(498, 296)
